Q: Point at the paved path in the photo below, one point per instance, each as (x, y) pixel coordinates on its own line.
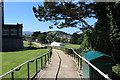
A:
(38, 44)
(67, 69)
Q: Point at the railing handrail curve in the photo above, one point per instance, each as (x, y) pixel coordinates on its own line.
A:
(94, 67)
(14, 69)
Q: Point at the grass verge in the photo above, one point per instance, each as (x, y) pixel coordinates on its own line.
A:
(72, 45)
(13, 59)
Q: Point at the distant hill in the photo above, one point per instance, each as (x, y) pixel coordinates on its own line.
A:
(60, 34)
(27, 32)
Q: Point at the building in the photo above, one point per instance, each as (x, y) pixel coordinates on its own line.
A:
(57, 44)
(1, 23)
(12, 37)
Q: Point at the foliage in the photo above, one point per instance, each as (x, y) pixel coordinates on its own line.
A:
(65, 14)
(35, 34)
(63, 40)
(85, 45)
(116, 69)
(48, 37)
(115, 30)
(27, 37)
(76, 38)
(107, 37)
(42, 38)
(104, 37)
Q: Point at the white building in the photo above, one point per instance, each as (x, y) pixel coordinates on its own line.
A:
(57, 44)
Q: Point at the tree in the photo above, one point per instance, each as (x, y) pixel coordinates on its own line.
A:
(57, 39)
(42, 38)
(104, 37)
(27, 37)
(49, 38)
(35, 34)
(64, 40)
(65, 14)
(76, 38)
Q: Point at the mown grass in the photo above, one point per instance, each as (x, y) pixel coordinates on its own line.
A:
(12, 59)
(72, 45)
(27, 44)
(46, 44)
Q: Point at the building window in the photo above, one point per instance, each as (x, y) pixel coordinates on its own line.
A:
(13, 31)
(6, 32)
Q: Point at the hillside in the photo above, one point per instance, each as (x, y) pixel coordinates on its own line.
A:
(59, 34)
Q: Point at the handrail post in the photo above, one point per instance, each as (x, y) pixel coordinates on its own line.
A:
(74, 56)
(28, 72)
(36, 66)
(41, 63)
(80, 63)
(50, 53)
(12, 74)
(78, 60)
(48, 58)
(45, 60)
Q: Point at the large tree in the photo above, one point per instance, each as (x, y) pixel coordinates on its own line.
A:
(65, 14)
(103, 37)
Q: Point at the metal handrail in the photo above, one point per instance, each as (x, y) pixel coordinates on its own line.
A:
(94, 67)
(18, 67)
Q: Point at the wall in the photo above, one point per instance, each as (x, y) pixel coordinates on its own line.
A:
(1, 23)
(12, 44)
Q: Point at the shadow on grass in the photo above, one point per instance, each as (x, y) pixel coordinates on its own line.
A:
(25, 48)
(115, 76)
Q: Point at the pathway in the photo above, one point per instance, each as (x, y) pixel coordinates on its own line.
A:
(38, 44)
(67, 69)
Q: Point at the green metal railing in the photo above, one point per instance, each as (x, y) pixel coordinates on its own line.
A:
(42, 62)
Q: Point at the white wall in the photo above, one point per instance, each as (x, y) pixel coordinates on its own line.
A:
(57, 44)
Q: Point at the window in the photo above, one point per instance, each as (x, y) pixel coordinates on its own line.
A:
(6, 31)
(13, 31)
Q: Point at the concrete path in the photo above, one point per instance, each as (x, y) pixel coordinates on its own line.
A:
(67, 68)
(38, 44)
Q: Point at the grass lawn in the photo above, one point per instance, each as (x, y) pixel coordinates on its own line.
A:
(46, 44)
(26, 44)
(72, 45)
(13, 59)
(66, 45)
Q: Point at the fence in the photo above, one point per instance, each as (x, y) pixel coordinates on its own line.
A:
(43, 59)
(79, 59)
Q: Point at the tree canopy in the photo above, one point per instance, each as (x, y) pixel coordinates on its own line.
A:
(66, 14)
(104, 37)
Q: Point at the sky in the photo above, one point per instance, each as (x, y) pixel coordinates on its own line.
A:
(21, 12)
